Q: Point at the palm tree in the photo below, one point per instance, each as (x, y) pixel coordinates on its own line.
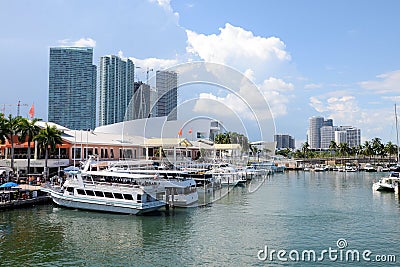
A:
(391, 149)
(333, 146)
(28, 130)
(8, 130)
(305, 149)
(344, 149)
(368, 150)
(377, 146)
(48, 138)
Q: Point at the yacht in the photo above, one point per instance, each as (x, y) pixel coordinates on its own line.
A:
(389, 183)
(369, 168)
(105, 196)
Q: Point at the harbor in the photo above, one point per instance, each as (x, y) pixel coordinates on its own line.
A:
(290, 210)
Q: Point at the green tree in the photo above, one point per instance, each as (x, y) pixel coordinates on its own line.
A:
(9, 129)
(391, 149)
(344, 149)
(377, 146)
(28, 130)
(367, 149)
(305, 148)
(333, 147)
(48, 138)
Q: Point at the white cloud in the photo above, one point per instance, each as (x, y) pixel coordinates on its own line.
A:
(313, 86)
(344, 109)
(154, 63)
(386, 83)
(83, 42)
(166, 5)
(237, 47)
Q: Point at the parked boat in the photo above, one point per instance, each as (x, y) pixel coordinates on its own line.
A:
(369, 168)
(389, 183)
(105, 196)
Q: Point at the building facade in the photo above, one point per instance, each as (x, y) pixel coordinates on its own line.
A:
(314, 133)
(72, 87)
(139, 106)
(116, 88)
(284, 141)
(321, 133)
(167, 95)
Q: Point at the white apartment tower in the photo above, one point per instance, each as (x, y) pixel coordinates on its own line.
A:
(116, 87)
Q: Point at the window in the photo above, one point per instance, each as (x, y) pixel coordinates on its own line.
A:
(128, 197)
(76, 153)
(81, 192)
(98, 194)
(108, 194)
(139, 198)
(111, 153)
(118, 195)
(89, 192)
(70, 189)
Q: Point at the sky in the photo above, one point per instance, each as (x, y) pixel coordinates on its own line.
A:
(336, 59)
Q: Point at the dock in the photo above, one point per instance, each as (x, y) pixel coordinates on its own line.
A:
(22, 196)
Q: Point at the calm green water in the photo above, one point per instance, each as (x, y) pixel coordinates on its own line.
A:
(291, 211)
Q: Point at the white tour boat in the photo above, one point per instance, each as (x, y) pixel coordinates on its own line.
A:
(104, 196)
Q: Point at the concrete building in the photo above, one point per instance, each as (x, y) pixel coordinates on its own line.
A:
(284, 141)
(116, 88)
(327, 135)
(72, 87)
(167, 95)
(314, 137)
(140, 105)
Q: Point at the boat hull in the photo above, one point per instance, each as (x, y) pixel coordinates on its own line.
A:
(104, 206)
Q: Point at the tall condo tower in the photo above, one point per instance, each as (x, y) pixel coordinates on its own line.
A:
(72, 87)
(116, 87)
(167, 94)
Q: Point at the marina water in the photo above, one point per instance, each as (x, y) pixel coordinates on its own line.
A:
(292, 211)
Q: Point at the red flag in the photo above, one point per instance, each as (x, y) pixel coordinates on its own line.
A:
(32, 111)
(190, 130)
(180, 132)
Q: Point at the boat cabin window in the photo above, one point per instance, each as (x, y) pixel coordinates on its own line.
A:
(98, 194)
(89, 192)
(108, 194)
(70, 189)
(80, 191)
(118, 195)
(139, 198)
(128, 197)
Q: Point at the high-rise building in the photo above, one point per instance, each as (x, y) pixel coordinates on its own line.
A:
(139, 106)
(322, 132)
(167, 95)
(284, 141)
(116, 87)
(315, 132)
(72, 87)
(327, 135)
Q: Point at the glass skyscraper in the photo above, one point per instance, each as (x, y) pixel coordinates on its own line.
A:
(72, 87)
(167, 92)
(116, 88)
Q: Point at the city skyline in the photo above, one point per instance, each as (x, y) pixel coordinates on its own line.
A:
(336, 60)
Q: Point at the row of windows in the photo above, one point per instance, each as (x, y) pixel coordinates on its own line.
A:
(104, 194)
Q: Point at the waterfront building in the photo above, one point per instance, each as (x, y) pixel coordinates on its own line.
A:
(340, 137)
(116, 88)
(139, 105)
(315, 132)
(167, 95)
(284, 141)
(72, 87)
(321, 132)
(327, 135)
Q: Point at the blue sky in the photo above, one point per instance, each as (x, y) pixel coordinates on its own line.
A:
(338, 59)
